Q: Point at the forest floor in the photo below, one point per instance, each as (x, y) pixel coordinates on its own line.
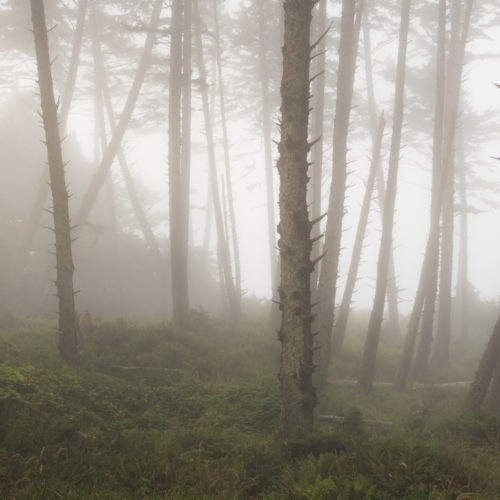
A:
(155, 413)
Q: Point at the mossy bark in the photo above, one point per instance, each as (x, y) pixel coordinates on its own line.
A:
(296, 367)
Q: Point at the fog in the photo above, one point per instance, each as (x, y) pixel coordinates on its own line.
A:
(113, 270)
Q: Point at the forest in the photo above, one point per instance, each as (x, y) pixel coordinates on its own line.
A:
(248, 249)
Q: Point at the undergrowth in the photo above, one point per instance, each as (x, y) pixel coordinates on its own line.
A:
(152, 412)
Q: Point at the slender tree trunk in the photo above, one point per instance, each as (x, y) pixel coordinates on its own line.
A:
(142, 219)
(178, 231)
(33, 222)
(112, 149)
(392, 288)
(267, 137)
(343, 314)
(227, 163)
(68, 320)
(327, 285)
(463, 259)
(454, 84)
(374, 325)
(296, 367)
(494, 397)
(426, 331)
(234, 300)
(318, 118)
(479, 387)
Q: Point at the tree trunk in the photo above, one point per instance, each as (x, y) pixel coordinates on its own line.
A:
(327, 285)
(341, 323)
(426, 331)
(479, 387)
(33, 222)
(178, 231)
(296, 367)
(142, 219)
(392, 288)
(234, 300)
(317, 118)
(374, 325)
(267, 137)
(454, 83)
(112, 149)
(68, 320)
(227, 163)
(463, 259)
(494, 397)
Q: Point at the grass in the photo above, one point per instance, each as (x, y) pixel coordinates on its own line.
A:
(196, 417)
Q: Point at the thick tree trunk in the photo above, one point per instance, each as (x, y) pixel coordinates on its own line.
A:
(317, 119)
(426, 331)
(296, 367)
(454, 83)
(327, 285)
(392, 288)
(68, 320)
(479, 387)
(267, 137)
(33, 222)
(112, 149)
(178, 230)
(227, 163)
(151, 241)
(234, 300)
(374, 325)
(343, 314)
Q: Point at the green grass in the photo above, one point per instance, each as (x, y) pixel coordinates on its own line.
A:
(196, 417)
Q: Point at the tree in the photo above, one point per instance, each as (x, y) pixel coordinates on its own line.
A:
(68, 320)
(349, 35)
(296, 366)
(177, 172)
(482, 378)
(374, 325)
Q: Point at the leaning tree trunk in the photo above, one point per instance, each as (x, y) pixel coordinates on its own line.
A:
(426, 330)
(452, 103)
(178, 233)
(296, 367)
(392, 288)
(68, 320)
(100, 175)
(317, 119)
(233, 298)
(327, 285)
(33, 222)
(345, 305)
(227, 163)
(482, 378)
(374, 325)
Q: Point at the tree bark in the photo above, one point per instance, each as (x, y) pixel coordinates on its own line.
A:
(343, 314)
(177, 218)
(482, 378)
(327, 285)
(68, 320)
(112, 149)
(234, 300)
(296, 366)
(374, 325)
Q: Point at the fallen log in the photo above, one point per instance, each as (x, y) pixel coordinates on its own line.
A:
(337, 418)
